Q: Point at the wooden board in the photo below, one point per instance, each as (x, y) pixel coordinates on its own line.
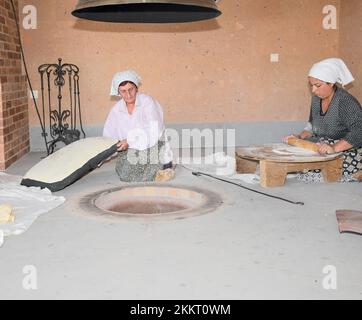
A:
(281, 152)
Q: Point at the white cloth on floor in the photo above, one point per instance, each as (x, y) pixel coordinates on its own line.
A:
(220, 164)
(27, 204)
(217, 164)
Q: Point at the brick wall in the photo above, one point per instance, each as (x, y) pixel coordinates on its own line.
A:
(14, 123)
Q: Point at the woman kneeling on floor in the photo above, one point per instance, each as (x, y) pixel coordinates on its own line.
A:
(335, 120)
(137, 121)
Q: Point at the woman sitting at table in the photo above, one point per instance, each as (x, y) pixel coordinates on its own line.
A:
(335, 120)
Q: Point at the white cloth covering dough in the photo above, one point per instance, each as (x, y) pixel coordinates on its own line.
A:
(216, 164)
(27, 204)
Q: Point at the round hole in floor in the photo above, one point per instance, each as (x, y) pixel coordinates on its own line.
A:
(151, 201)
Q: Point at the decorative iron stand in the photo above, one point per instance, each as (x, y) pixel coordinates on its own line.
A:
(62, 121)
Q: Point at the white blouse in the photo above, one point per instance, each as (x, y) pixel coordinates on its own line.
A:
(142, 129)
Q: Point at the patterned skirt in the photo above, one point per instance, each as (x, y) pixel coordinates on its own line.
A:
(139, 165)
(352, 163)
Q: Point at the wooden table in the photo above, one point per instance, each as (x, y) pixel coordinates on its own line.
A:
(278, 159)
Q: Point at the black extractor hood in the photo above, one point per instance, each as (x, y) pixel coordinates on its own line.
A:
(146, 11)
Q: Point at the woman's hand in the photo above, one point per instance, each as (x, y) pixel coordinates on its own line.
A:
(122, 145)
(325, 148)
(304, 134)
(285, 139)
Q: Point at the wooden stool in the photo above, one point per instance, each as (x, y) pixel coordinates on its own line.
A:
(277, 160)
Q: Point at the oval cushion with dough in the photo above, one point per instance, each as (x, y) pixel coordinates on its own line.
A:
(70, 163)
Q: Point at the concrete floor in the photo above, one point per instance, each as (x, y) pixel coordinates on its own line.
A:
(252, 247)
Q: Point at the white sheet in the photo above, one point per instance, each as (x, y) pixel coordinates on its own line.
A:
(27, 204)
(220, 164)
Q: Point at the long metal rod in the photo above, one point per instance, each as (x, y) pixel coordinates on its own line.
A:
(198, 174)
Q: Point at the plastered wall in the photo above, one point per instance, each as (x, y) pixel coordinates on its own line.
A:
(350, 41)
(216, 71)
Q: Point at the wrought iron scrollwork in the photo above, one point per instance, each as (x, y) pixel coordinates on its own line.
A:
(65, 123)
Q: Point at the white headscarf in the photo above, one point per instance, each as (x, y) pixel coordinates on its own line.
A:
(332, 70)
(119, 77)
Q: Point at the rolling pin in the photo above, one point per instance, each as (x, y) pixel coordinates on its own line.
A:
(293, 141)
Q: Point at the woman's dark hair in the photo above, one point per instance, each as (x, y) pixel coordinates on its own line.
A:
(126, 82)
(334, 85)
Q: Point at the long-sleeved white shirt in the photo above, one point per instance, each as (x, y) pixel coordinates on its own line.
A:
(142, 129)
